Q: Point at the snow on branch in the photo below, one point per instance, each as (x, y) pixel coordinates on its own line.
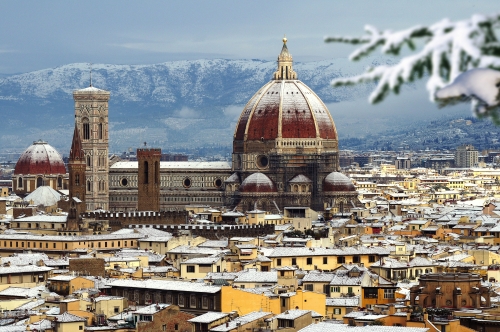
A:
(449, 49)
(481, 86)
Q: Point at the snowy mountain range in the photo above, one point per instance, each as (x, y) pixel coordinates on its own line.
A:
(172, 104)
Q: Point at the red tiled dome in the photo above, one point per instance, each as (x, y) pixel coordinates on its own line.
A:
(40, 158)
(302, 114)
(336, 181)
(257, 182)
(285, 108)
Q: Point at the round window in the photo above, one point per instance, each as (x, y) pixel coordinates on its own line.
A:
(218, 183)
(124, 182)
(262, 161)
(187, 182)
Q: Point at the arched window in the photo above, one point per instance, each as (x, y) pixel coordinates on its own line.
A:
(146, 172)
(20, 182)
(101, 128)
(157, 173)
(86, 128)
(39, 182)
(59, 182)
(89, 186)
(89, 161)
(77, 179)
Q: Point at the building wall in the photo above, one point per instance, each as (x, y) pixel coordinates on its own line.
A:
(452, 290)
(69, 327)
(205, 186)
(121, 220)
(170, 319)
(313, 262)
(29, 182)
(111, 307)
(64, 244)
(200, 272)
(87, 266)
(466, 156)
(245, 302)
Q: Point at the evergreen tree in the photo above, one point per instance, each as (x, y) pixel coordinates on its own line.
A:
(460, 60)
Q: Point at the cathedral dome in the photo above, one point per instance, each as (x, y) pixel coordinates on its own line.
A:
(40, 158)
(286, 111)
(257, 182)
(336, 181)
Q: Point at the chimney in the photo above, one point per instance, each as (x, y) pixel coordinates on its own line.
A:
(392, 309)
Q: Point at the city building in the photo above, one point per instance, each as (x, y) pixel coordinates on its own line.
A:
(450, 290)
(466, 156)
(285, 149)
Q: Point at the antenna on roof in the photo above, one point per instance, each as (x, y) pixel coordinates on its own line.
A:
(90, 64)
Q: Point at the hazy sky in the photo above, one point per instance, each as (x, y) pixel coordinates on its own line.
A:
(41, 34)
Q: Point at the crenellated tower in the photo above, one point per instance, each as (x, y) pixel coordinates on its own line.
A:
(148, 179)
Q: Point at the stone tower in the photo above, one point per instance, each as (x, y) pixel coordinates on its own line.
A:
(76, 169)
(148, 179)
(91, 119)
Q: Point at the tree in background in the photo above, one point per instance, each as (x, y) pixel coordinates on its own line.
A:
(459, 60)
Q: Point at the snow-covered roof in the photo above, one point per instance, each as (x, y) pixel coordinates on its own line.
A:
(290, 252)
(23, 269)
(151, 309)
(90, 89)
(233, 325)
(257, 276)
(343, 301)
(67, 318)
(292, 314)
(208, 317)
(43, 195)
(184, 286)
(300, 179)
(43, 218)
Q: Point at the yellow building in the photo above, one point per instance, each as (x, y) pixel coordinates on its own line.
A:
(67, 284)
(326, 259)
(337, 307)
(68, 323)
(197, 268)
(66, 244)
(244, 301)
(109, 305)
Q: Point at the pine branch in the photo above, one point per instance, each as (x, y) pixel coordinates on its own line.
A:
(450, 48)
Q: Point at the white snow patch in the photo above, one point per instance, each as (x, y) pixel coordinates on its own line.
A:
(480, 84)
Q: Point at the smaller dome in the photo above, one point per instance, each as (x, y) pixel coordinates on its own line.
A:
(336, 181)
(257, 182)
(40, 158)
(301, 178)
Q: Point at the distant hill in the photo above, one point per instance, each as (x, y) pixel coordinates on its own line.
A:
(172, 104)
(194, 105)
(444, 133)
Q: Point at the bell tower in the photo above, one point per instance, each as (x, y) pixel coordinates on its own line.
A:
(76, 169)
(91, 119)
(148, 179)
